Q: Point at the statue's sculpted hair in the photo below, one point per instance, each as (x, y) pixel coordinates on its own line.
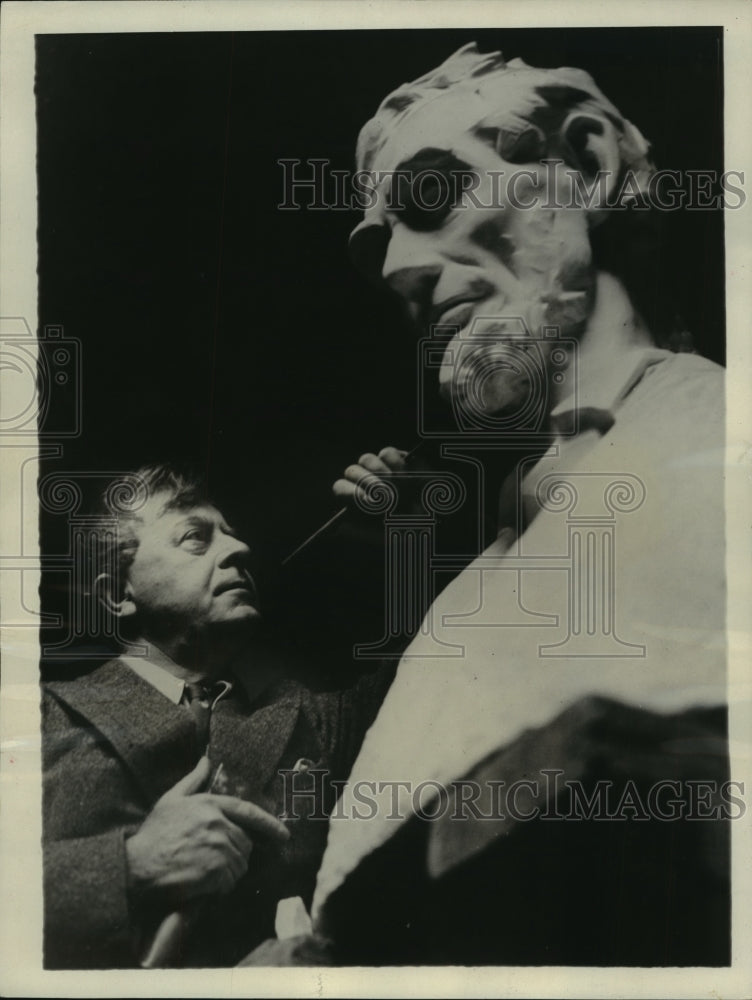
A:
(527, 109)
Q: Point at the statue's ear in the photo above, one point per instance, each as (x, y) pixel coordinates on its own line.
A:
(592, 147)
(106, 592)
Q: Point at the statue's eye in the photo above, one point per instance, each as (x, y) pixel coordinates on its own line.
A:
(426, 188)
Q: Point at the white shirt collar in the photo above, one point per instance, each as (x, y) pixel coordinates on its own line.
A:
(155, 670)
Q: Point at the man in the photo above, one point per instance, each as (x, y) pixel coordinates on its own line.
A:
(166, 770)
(583, 652)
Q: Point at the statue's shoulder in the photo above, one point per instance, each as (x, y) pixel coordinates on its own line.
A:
(686, 383)
(697, 363)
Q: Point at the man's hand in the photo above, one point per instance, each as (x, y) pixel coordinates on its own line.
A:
(369, 469)
(196, 844)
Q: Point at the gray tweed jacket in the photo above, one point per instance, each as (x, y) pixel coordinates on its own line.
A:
(112, 745)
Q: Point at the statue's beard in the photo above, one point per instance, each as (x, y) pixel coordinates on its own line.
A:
(505, 366)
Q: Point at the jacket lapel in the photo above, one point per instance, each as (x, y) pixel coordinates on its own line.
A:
(252, 742)
(154, 738)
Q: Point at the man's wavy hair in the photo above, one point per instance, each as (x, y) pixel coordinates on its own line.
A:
(530, 126)
(121, 504)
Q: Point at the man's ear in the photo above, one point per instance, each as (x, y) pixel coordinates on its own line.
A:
(105, 591)
(591, 145)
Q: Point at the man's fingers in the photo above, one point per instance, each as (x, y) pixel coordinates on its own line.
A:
(394, 458)
(374, 464)
(359, 474)
(368, 472)
(343, 488)
(252, 818)
(237, 858)
(225, 881)
(192, 782)
(239, 839)
(348, 491)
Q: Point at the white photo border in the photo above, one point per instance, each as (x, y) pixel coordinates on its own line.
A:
(20, 821)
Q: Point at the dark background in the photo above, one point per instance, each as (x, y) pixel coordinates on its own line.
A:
(218, 329)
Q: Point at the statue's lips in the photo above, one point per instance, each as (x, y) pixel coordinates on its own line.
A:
(456, 314)
(565, 308)
(457, 309)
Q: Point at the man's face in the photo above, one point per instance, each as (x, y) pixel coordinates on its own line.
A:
(189, 575)
(461, 266)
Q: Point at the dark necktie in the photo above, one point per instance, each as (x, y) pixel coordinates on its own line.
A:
(201, 699)
(198, 697)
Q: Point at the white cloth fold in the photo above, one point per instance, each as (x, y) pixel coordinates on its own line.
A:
(650, 504)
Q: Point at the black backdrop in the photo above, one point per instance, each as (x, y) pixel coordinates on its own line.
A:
(218, 329)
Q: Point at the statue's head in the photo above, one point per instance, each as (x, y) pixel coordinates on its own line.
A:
(524, 114)
(483, 216)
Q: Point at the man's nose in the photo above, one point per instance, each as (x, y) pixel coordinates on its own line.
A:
(233, 552)
(412, 265)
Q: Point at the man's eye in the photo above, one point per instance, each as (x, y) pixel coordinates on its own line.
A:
(193, 537)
